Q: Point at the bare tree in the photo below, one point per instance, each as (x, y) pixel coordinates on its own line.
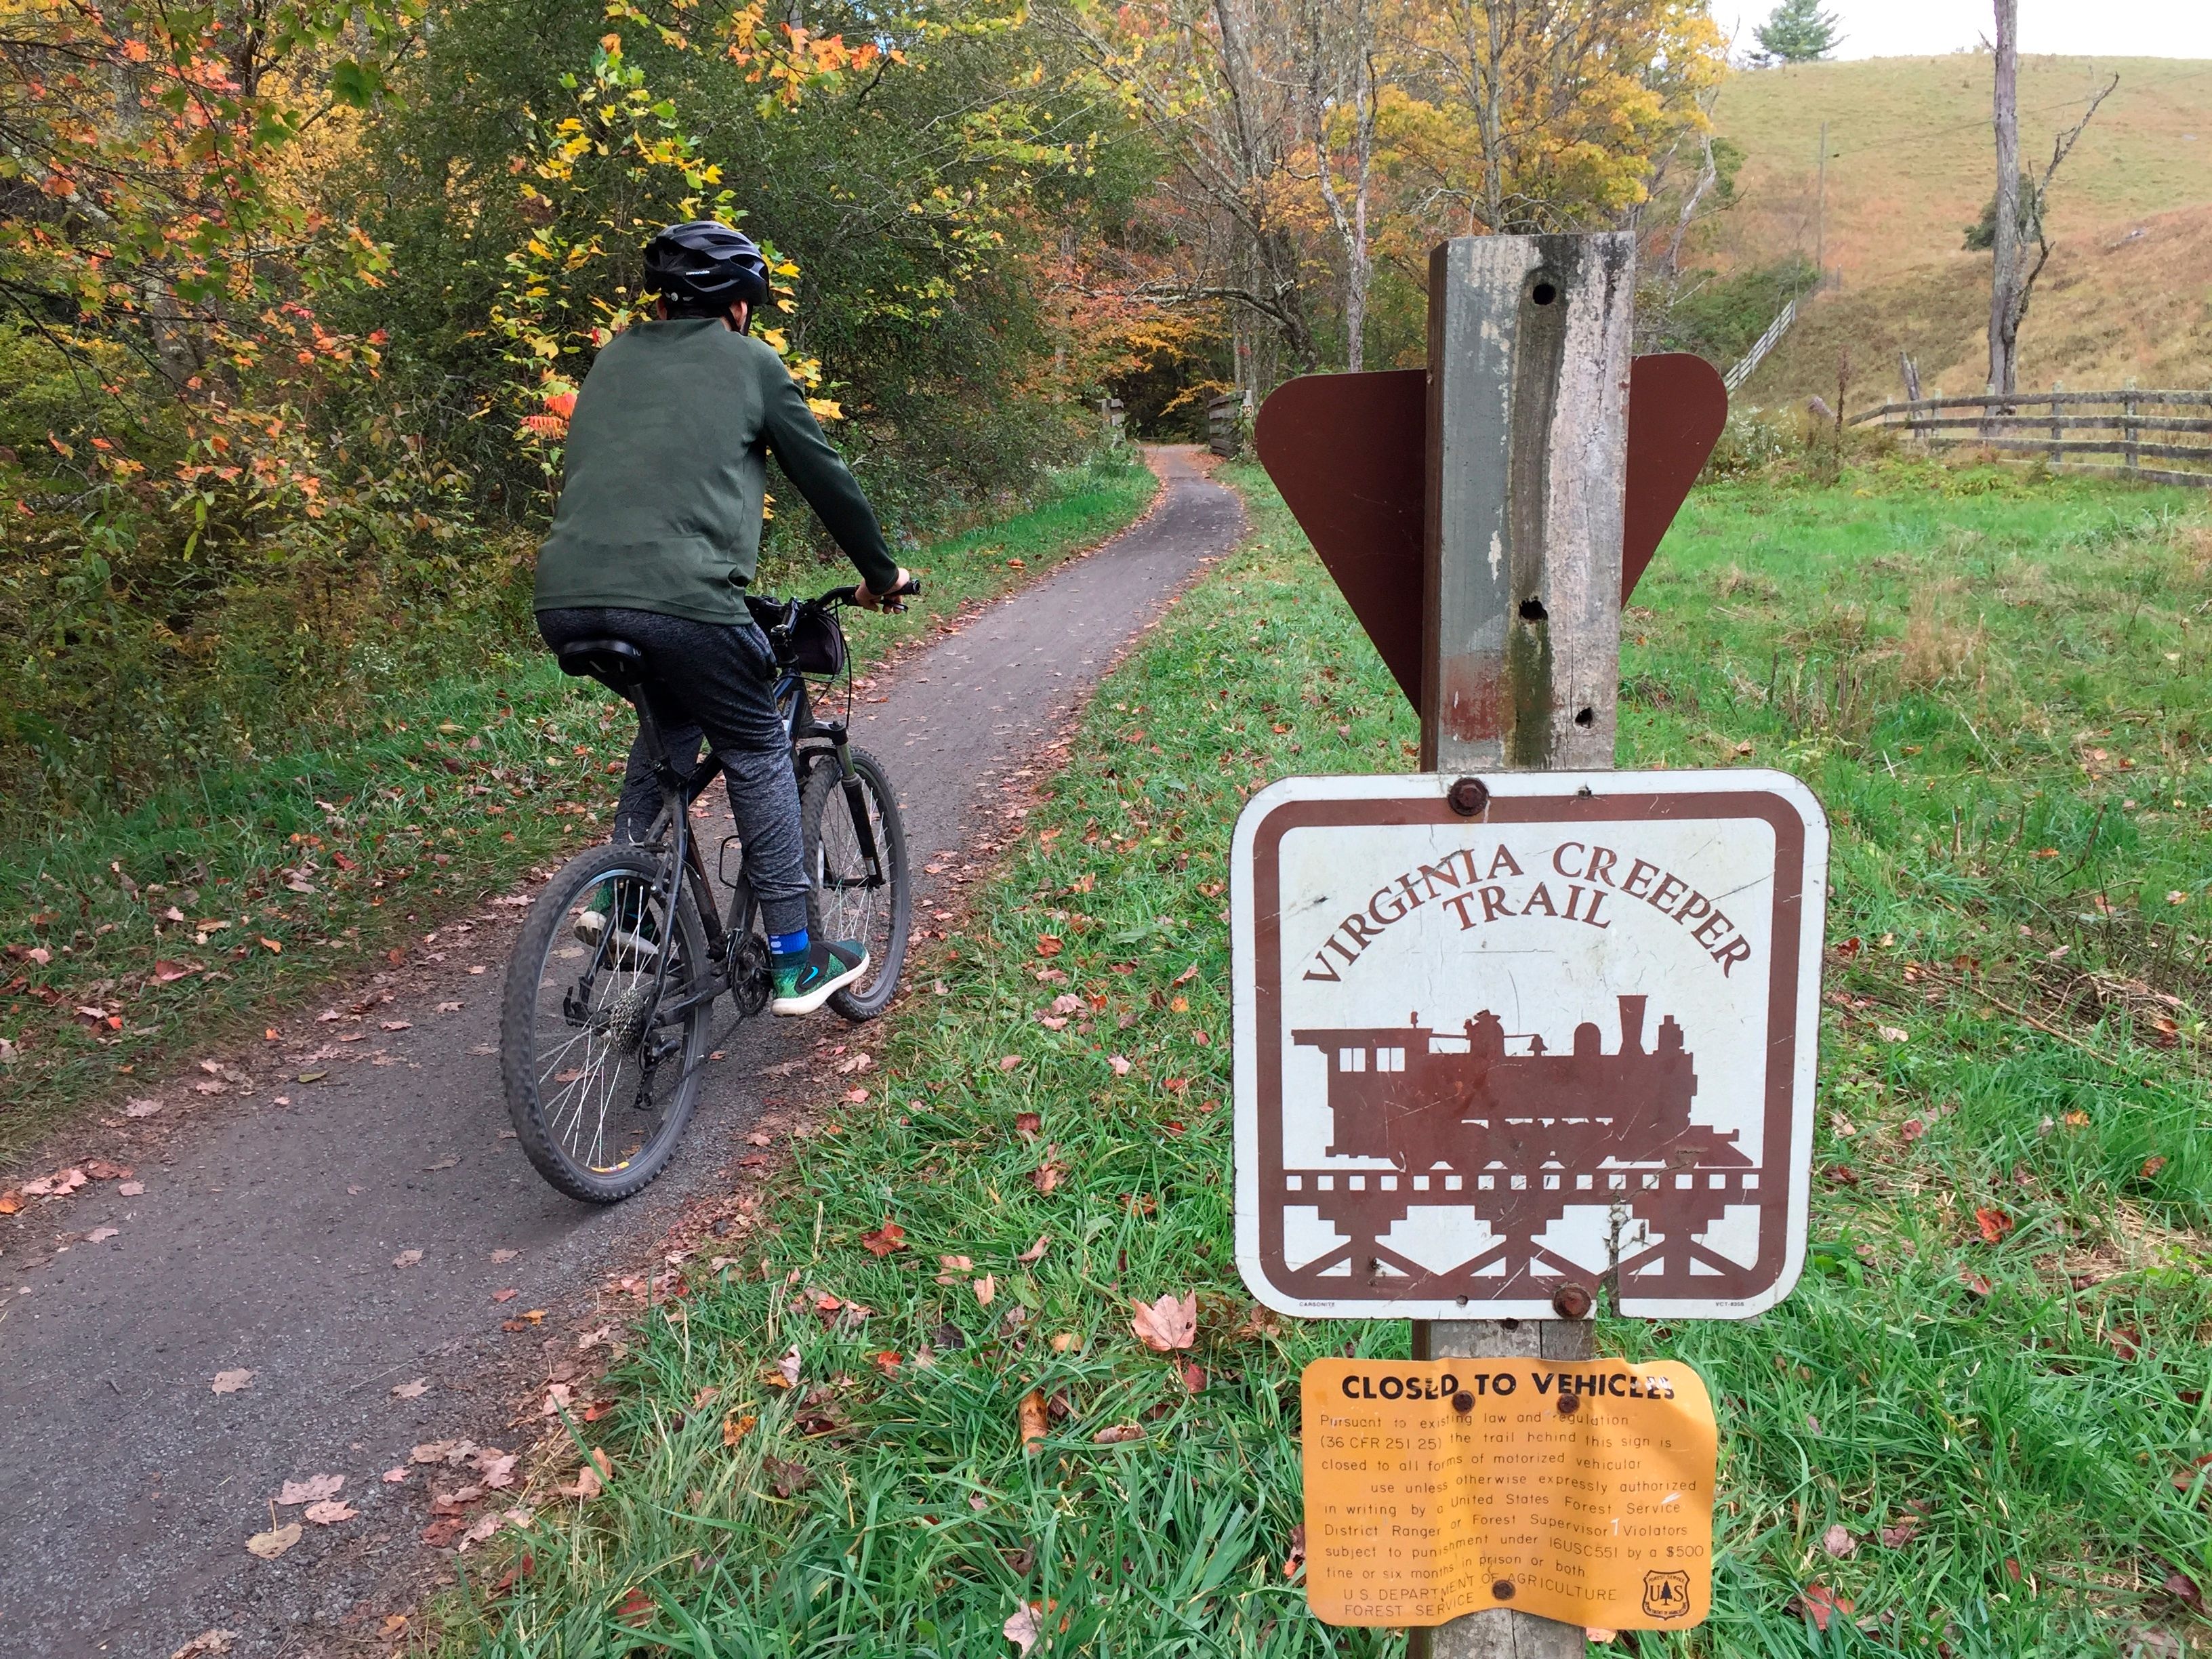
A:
(1339, 93)
(2021, 206)
(2007, 294)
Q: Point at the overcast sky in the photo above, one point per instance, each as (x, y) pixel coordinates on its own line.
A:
(1903, 29)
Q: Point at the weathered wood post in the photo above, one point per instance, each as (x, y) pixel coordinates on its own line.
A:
(1528, 368)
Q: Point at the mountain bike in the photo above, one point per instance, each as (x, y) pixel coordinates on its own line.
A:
(603, 1031)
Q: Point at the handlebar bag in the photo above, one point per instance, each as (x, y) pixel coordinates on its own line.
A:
(807, 637)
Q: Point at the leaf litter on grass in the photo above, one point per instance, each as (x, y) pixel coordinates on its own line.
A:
(1949, 1397)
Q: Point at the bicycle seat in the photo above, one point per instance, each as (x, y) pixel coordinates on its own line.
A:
(614, 663)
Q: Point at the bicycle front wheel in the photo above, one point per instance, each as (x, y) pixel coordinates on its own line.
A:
(598, 1051)
(855, 852)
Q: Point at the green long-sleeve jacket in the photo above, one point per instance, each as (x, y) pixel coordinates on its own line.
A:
(666, 465)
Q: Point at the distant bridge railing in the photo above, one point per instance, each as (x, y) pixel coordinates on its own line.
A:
(2071, 425)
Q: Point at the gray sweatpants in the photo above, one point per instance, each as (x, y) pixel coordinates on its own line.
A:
(715, 682)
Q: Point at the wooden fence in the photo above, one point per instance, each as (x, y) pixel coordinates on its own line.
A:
(2072, 424)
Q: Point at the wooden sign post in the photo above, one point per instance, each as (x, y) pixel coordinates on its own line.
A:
(1528, 363)
(1613, 1083)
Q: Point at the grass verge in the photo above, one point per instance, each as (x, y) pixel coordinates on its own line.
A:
(1975, 1429)
(234, 893)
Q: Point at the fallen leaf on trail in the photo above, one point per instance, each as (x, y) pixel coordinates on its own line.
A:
(1168, 1324)
(1036, 1252)
(1910, 1130)
(1994, 1224)
(2179, 1583)
(140, 1107)
(101, 1235)
(396, 1025)
(1047, 1176)
(1838, 1542)
(2124, 1340)
(586, 1484)
(273, 1543)
(1118, 1434)
(1033, 1418)
(10, 1202)
(1599, 1634)
(432, 1451)
(414, 1391)
(1009, 1062)
(166, 973)
(449, 1007)
(58, 1185)
(1294, 1563)
(986, 1288)
(274, 947)
(507, 1295)
(131, 1188)
(2076, 1120)
(442, 1163)
(1892, 1034)
(100, 1169)
(314, 1489)
(1819, 1603)
(888, 1362)
(394, 1477)
(207, 1642)
(329, 1513)
(886, 1238)
(438, 1534)
(481, 1528)
(1048, 944)
(1028, 1125)
(406, 1258)
(1067, 1003)
(858, 1096)
(1975, 1283)
(312, 1077)
(737, 1426)
(505, 1255)
(953, 1265)
(230, 1382)
(2151, 1166)
(786, 1372)
(1122, 1067)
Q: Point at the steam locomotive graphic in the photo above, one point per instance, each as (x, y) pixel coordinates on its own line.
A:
(1521, 1137)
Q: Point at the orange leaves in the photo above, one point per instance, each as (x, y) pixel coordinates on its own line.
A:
(1169, 1324)
(886, 1238)
(1049, 944)
(1033, 1418)
(1994, 1224)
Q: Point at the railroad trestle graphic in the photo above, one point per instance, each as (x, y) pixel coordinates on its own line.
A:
(1519, 1138)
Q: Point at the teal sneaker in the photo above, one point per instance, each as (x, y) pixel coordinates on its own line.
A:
(828, 968)
(636, 939)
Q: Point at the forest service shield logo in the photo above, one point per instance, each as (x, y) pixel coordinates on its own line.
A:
(1665, 1594)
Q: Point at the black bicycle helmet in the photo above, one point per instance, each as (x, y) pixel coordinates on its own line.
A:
(703, 267)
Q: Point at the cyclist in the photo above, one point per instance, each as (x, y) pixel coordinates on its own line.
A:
(655, 540)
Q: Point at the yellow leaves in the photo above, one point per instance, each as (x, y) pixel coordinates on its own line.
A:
(825, 408)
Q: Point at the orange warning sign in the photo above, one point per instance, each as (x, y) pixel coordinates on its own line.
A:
(1581, 1490)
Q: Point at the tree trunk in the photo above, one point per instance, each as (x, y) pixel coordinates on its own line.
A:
(2006, 288)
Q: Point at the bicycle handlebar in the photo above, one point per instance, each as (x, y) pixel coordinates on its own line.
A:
(911, 588)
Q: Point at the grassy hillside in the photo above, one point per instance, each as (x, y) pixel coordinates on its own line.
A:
(2128, 293)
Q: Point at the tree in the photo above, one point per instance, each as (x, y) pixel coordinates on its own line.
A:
(2016, 211)
(1798, 32)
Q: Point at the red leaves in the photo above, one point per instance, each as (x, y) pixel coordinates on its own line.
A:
(2125, 1341)
(2150, 1167)
(1820, 1604)
(1994, 1224)
(167, 973)
(1028, 1125)
(1049, 944)
(886, 1238)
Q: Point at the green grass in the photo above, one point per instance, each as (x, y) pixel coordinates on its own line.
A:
(1992, 637)
(431, 803)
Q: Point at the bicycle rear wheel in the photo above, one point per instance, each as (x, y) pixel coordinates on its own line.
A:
(600, 1080)
(855, 895)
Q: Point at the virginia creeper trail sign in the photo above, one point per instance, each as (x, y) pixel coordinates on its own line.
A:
(1582, 1490)
(1552, 1031)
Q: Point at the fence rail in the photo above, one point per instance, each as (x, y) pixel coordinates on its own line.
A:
(1997, 422)
(1740, 370)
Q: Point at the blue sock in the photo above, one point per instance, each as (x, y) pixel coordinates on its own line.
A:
(788, 950)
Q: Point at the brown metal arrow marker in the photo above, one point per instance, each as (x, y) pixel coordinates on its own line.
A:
(1349, 453)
